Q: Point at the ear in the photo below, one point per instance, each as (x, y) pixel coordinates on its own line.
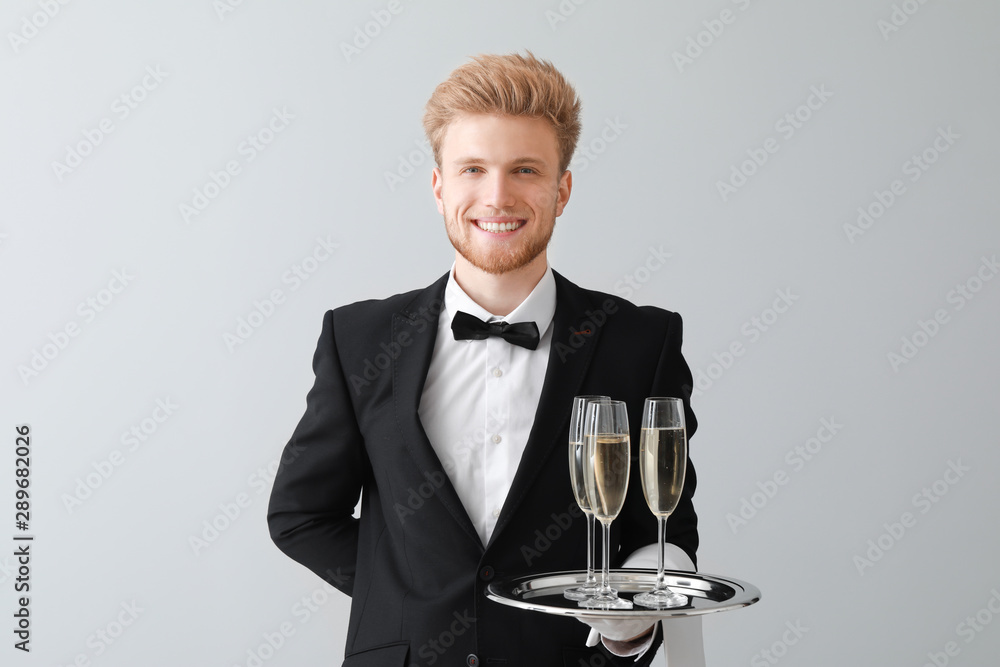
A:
(565, 187)
(437, 184)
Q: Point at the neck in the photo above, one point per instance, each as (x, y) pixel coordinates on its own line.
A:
(499, 293)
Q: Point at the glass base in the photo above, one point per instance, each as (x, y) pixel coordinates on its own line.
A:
(606, 602)
(584, 592)
(660, 599)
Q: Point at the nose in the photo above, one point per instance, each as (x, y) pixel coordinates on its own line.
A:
(500, 192)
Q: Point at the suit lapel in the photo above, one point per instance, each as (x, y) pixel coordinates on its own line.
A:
(569, 357)
(420, 321)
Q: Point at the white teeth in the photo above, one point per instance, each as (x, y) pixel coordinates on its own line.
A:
(498, 227)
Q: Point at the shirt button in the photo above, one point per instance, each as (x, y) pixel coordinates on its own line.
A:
(497, 372)
(497, 439)
(496, 514)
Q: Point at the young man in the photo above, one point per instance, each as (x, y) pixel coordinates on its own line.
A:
(452, 428)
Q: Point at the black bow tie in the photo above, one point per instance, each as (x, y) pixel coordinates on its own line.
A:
(470, 327)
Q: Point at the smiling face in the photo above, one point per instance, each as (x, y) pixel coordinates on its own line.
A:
(500, 190)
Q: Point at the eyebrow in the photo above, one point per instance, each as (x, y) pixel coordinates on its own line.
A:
(520, 160)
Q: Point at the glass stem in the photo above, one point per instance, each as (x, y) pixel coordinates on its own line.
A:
(605, 575)
(661, 547)
(591, 579)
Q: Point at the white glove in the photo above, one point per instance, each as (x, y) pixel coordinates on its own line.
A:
(682, 637)
(619, 630)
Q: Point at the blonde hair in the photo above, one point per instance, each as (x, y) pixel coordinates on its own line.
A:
(510, 85)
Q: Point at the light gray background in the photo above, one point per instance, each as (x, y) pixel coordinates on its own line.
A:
(652, 182)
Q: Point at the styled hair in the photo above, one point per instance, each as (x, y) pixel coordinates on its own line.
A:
(510, 85)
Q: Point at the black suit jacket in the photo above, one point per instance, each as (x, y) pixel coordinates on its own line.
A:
(413, 563)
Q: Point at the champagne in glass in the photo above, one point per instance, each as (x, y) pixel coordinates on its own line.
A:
(606, 445)
(662, 462)
(611, 467)
(578, 462)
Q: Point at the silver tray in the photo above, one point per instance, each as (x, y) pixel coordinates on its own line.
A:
(706, 593)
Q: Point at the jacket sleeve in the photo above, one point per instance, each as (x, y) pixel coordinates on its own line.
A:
(672, 378)
(321, 473)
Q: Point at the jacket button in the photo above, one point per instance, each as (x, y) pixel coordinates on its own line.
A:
(486, 574)
(471, 660)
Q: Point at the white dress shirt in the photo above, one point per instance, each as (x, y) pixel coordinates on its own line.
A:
(480, 398)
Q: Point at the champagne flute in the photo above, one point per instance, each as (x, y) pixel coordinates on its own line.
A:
(606, 444)
(577, 463)
(662, 462)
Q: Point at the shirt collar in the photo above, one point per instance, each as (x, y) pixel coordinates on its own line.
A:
(538, 307)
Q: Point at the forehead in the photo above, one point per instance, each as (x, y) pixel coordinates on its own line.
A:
(499, 138)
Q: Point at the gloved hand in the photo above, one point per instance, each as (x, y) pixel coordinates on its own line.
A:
(619, 630)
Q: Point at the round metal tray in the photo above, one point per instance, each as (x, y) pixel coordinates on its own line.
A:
(706, 593)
